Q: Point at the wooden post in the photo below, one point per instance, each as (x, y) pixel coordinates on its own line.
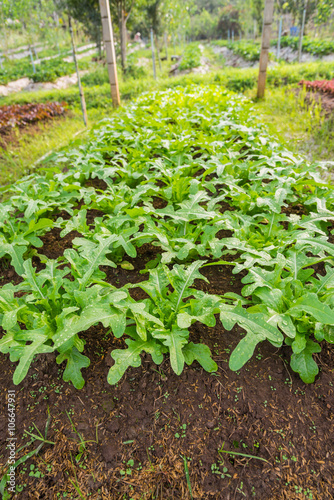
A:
(82, 97)
(266, 31)
(301, 35)
(110, 51)
(153, 56)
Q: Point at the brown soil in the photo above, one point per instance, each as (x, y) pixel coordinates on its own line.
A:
(144, 435)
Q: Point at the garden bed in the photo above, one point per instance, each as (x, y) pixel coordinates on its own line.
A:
(176, 229)
(17, 115)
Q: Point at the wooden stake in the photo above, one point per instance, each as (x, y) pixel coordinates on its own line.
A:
(266, 31)
(110, 51)
(82, 97)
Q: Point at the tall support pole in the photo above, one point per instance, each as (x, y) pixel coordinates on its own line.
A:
(110, 51)
(266, 31)
(32, 60)
(279, 38)
(153, 56)
(158, 57)
(166, 49)
(301, 35)
(82, 97)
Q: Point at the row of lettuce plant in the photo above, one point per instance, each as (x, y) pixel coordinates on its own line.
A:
(173, 169)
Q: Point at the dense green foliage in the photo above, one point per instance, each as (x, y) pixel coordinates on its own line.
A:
(200, 150)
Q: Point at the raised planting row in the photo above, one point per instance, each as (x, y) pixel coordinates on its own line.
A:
(250, 50)
(325, 86)
(312, 46)
(247, 49)
(187, 177)
(18, 115)
(46, 71)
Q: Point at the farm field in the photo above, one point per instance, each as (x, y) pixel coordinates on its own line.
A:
(307, 118)
(167, 312)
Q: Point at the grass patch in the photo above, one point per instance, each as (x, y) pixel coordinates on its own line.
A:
(299, 124)
(27, 146)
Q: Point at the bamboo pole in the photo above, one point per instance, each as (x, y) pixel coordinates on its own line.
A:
(110, 51)
(32, 59)
(165, 42)
(82, 97)
(301, 35)
(266, 31)
(158, 54)
(279, 38)
(153, 56)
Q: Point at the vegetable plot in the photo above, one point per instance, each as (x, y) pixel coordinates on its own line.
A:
(189, 173)
(18, 115)
(46, 71)
(312, 46)
(326, 86)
